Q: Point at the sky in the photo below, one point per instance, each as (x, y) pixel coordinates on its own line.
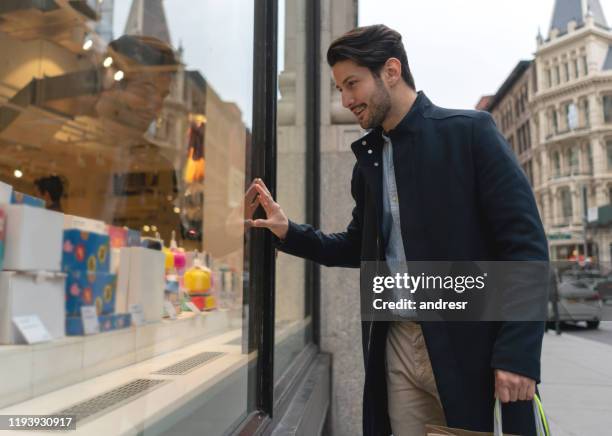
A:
(217, 38)
(461, 50)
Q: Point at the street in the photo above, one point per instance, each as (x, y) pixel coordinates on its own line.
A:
(602, 334)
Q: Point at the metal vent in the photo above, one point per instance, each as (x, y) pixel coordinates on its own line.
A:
(112, 399)
(189, 364)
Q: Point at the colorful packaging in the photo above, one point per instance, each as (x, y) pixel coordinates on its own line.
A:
(118, 236)
(21, 198)
(85, 251)
(133, 238)
(90, 288)
(2, 223)
(116, 321)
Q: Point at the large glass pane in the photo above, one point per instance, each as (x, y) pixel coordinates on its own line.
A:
(293, 321)
(125, 136)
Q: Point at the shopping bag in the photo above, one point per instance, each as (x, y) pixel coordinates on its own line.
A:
(541, 424)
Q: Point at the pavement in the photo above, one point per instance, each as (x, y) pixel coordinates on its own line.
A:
(576, 386)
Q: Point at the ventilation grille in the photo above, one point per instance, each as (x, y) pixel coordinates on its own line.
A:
(189, 364)
(111, 399)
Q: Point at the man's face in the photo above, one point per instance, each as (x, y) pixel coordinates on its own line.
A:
(363, 93)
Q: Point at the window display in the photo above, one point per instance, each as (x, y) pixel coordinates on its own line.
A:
(123, 165)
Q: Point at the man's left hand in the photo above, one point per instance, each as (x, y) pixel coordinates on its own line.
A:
(512, 387)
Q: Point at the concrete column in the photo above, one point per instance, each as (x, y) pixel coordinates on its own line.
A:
(340, 313)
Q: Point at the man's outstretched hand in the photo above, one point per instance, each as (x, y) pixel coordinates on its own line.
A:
(276, 220)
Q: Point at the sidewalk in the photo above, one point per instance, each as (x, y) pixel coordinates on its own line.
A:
(576, 385)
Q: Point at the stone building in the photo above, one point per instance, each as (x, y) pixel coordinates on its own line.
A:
(556, 112)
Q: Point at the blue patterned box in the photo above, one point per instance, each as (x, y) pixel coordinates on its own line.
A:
(86, 251)
(88, 288)
(133, 238)
(21, 198)
(116, 321)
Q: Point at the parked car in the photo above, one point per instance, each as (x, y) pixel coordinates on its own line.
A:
(578, 301)
(604, 287)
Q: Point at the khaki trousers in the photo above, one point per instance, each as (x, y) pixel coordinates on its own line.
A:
(412, 394)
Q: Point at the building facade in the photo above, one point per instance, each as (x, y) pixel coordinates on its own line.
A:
(561, 133)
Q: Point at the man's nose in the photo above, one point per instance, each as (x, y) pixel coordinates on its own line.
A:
(347, 99)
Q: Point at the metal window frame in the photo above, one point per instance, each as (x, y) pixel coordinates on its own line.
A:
(261, 292)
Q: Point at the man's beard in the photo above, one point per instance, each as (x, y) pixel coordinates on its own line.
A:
(379, 106)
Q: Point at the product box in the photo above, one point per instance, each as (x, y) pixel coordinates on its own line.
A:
(84, 224)
(85, 251)
(33, 238)
(24, 294)
(21, 198)
(116, 321)
(6, 192)
(85, 288)
(133, 238)
(2, 233)
(118, 236)
(141, 281)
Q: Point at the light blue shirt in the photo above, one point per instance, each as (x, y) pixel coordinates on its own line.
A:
(392, 231)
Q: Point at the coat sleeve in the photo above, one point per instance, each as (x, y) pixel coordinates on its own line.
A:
(333, 249)
(513, 223)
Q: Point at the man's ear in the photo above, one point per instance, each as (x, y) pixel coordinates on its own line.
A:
(393, 71)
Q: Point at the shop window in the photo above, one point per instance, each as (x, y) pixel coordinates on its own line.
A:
(293, 318)
(126, 151)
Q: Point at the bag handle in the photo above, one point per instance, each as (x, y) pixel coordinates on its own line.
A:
(541, 422)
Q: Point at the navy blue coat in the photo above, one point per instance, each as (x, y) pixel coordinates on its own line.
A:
(462, 197)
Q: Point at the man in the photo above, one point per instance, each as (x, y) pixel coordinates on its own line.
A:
(429, 184)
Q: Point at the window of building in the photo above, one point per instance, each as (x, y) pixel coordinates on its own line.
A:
(557, 75)
(135, 148)
(609, 153)
(566, 74)
(556, 164)
(555, 121)
(607, 108)
(585, 113)
(548, 78)
(576, 71)
(574, 162)
(585, 65)
(566, 205)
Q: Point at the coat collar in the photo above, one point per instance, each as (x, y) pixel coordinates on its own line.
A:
(409, 124)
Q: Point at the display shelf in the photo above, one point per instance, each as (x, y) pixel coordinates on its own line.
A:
(217, 390)
(42, 368)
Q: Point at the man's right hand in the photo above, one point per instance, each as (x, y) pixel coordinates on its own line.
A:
(276, 220)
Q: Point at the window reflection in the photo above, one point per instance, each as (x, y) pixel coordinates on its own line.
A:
(125, 139)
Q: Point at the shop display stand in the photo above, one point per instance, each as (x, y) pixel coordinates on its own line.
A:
(41, 368)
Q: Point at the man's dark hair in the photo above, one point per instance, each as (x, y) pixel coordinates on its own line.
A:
(370, 47)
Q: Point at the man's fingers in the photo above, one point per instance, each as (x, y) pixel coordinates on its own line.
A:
(265, 200)
(503, 394)
(522, 391)
(250, 194)
(260, 223)
(261, 183)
